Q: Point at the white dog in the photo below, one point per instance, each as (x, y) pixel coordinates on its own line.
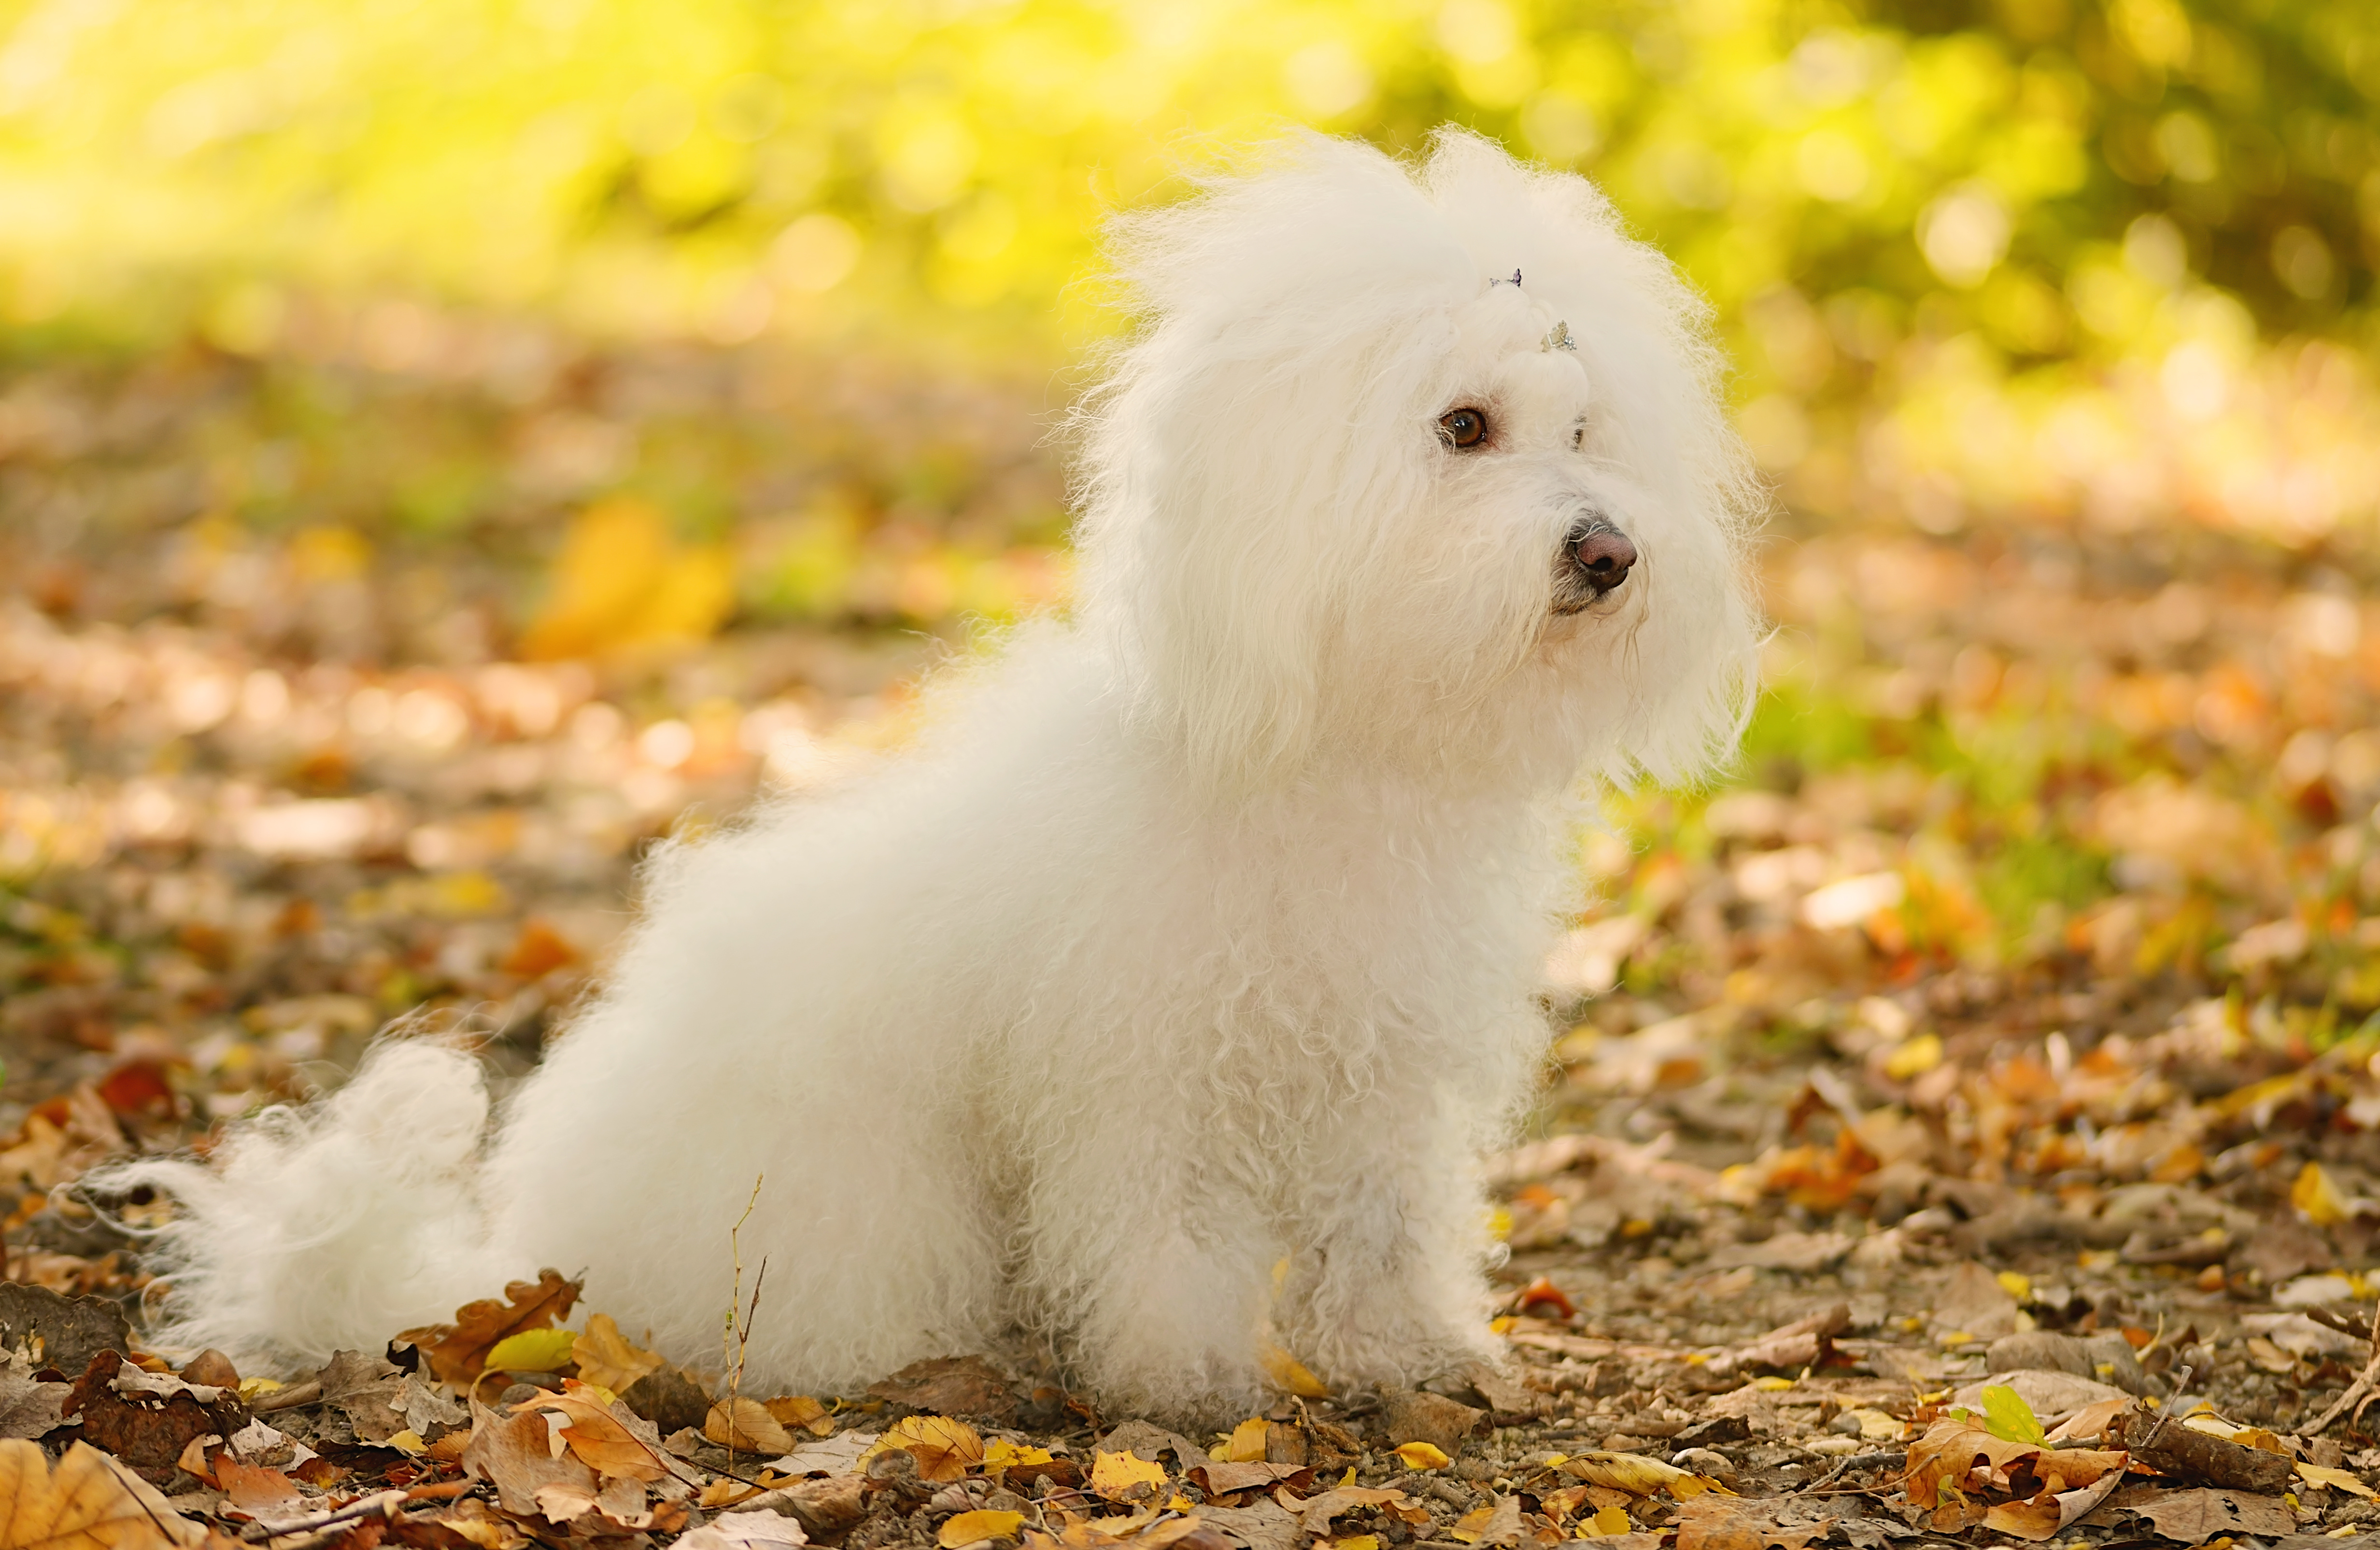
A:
(1198, 934)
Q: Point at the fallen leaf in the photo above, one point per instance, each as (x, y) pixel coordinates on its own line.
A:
(746, 1426)
(2090, 1420)
(1219, 1478)
(606, 1359)
(2007, 1416)
(800, 1410)
(533, 1351)
(1722, 1523)
(1126, 1477)
(1246, 1443)
(63, 1332)
(2051, 1513)
(1637, 1475)
(603, 1435)
(254, 1490)
(1951, 1447)
(2342, 1480)
(1316, 1511)
(972, 1528)
(457, 1352)
(515, 1454)
(146, 1421)
(842, 1454)
(29, 1408)
(1607, 1521)
(2318, 1197)
(91, 1503)
(742, 1531)
(1291, 1374)
(1422, 1455)
(2196, 1516)
(949, 1385)
(945, 1449)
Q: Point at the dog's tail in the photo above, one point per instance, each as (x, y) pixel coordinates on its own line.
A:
(331, 1226)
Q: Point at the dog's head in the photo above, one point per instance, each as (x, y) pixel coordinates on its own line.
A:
(1422, 469)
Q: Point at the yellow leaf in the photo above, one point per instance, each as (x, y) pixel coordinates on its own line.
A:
(1291, 1374)
(1422, 1455)
(1472, 1524)
(800, 1410)
(969, 1528)
(1914, 1057)
(1246, 1445)
(2344, 1479)
(1772, 1385)
(2318, 1197)
(1000, 1456)
(2016, 1283)
(93, 1502)
(1636, 1475)
(1117, 1476)
(533, 1351)
(606, 1359)
(746, 1427)
(407, 1441)
(945, 1449)
(621, 580)
(1357, 1542)
(1607, 1521)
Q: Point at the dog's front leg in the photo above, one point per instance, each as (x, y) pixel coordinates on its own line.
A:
(1386, 1285)
(1154, 1287)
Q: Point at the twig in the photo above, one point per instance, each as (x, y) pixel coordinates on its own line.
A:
(382, 1502)
(2164, 1412)
(737, 1335)
(1849, 1462)
(2358, 1390)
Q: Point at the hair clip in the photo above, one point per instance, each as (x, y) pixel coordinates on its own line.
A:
(1557, 338)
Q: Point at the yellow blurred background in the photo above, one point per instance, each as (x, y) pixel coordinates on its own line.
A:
(2098, 257)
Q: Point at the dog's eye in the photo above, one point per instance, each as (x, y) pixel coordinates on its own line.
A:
(1464, 428)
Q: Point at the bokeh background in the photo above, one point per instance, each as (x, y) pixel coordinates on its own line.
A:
(447, 443)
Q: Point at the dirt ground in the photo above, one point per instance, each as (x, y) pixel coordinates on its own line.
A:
(1960, 1125)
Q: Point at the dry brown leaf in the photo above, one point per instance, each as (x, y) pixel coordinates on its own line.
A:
(457, 1352)
(746, 1426)
(2195, 1517)
(513, 1453)
(606, 1359)
(1317, 1512)
(2052, 1512)
(800, 1410)
(253, 1489)
(1731, 1523)
(91, 1503)
(600, 1439)
(1941, 1459)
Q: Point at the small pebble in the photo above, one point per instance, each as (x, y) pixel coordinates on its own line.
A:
(1705, 1461)
(1846, 1424)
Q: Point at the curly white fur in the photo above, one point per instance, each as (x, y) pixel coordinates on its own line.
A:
(1196, 934)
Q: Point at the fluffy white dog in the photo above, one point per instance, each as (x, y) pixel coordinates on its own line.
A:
(1199, 933)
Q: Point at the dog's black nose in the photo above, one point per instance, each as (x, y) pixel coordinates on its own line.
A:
(1603, 555)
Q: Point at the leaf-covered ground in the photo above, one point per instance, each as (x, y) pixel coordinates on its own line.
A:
(1991, 1054)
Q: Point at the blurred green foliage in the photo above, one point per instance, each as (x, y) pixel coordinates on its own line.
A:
(938, 170)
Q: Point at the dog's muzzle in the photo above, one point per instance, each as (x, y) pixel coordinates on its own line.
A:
(1596, 558)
